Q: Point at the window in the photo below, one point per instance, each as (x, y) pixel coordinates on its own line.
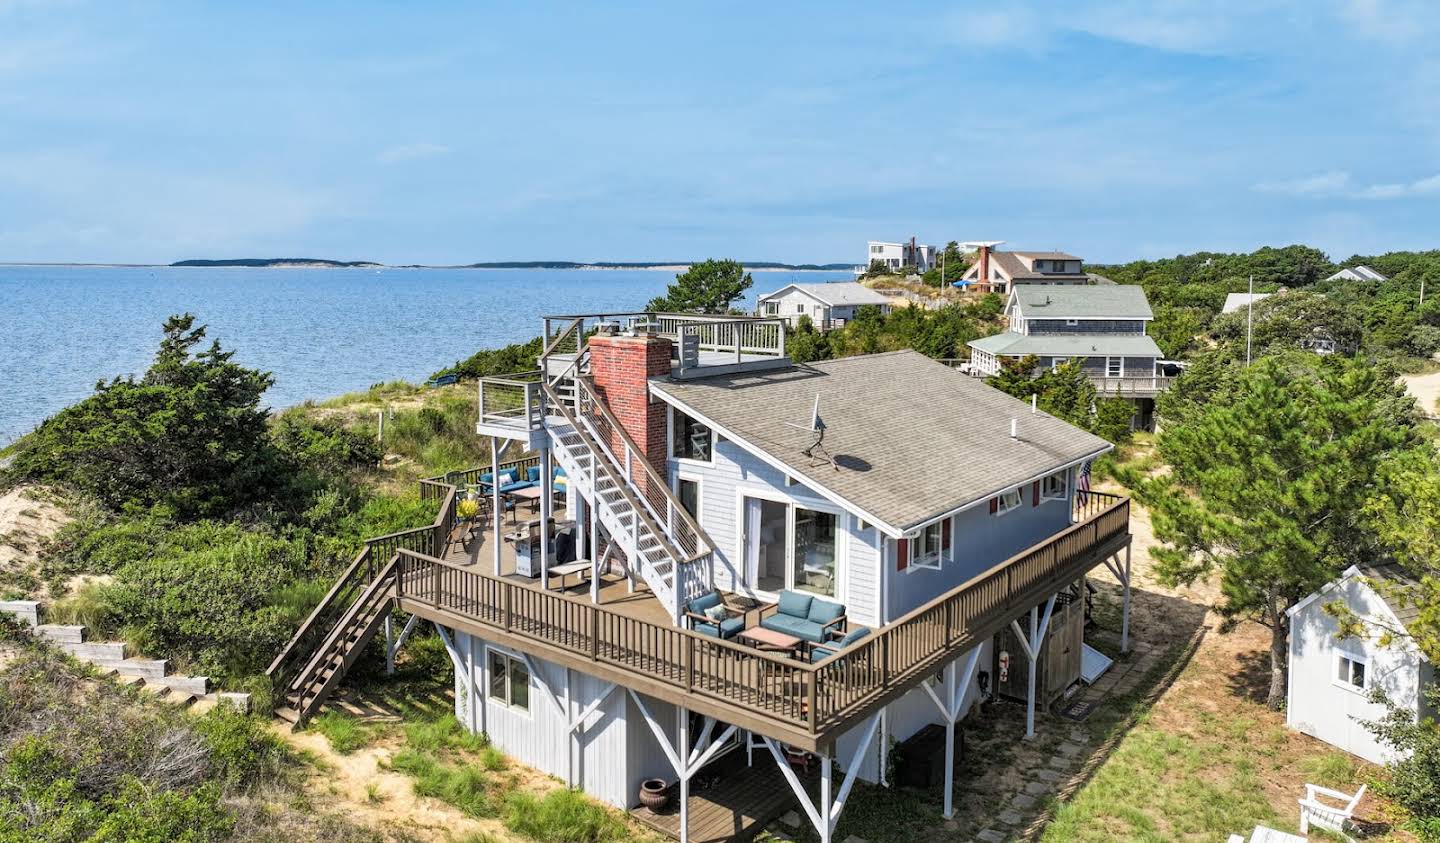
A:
(509, 680)
(691, 440)
(1114, 367)
(800, 308)
(875, 250)
(1055, 486)
(931, 549)
(814, 552)
(1071, 323)
(1057, 362)
(1350, 671)
(1007, 501)
(688, 491)
(772, 308)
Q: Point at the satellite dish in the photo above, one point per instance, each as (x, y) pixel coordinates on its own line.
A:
(816, 429)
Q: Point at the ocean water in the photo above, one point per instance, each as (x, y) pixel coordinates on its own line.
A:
(322, 332)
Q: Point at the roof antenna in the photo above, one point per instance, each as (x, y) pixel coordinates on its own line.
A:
(1015, 429)
(816, 428)
(1034, 403)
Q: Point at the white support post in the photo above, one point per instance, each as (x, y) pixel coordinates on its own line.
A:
(1125, 610)
(1032, 644)
(393, 647)
(546, 489)
(826, 815)
(570, 739)
(957, 685)
(682, 739)
(575, 503)
(471, 685)
(827, 829)
(460, 668)
(497, 516)
(389, 643)
(545, 684)
(594, 518)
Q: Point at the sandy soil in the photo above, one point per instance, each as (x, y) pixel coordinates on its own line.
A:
(344, 783)
(28, 516)
(1426, 389)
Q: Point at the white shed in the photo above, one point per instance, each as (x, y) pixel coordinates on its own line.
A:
(1331, 679)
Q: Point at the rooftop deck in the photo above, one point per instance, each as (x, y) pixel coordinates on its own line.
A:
(627, 637)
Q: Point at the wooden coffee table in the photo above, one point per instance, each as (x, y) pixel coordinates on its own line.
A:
(529, 493)
(768, 639)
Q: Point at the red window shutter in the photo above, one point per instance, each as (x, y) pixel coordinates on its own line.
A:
(902, 554)
(945, 534)
(994, 505)
(1035, 493)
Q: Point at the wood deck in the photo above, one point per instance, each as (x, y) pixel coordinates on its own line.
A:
(735, 803)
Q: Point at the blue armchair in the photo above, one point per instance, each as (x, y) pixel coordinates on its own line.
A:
(804, 616)
(696, 612)
(821, 652)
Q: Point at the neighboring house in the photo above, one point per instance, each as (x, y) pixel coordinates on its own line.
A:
(1320, 341)
(1103, 326)
(896, 256)
(829, 305)
(875, 522)
(1002, 272)
(1331, 679)
(1240, 301)
(1358, 273)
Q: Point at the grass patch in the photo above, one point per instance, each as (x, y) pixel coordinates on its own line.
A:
(464, 787)
(444, 733)
(563, 816)
(345, 733)
(89, 606)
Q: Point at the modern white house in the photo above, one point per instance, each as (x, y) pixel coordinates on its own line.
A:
(1103, 326)
(1358, 273)
(896, 256)
(762, 571)
(829, 305)
(1002, 272)
(1331, 678)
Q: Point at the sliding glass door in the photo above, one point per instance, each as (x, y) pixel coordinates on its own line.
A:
(789, 547)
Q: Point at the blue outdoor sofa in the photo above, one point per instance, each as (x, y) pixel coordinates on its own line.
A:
(821, 652)
(804, 616)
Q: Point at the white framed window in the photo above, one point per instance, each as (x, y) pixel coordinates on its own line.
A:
(1008, 500)
(1057, 362)
(1352, 671)
(800, 308)
(931, 549)
(1071, 323)
(1114, 367)
(772, 308)
(689, 439)
(687, 489)
(509, 680)
(1055, 486)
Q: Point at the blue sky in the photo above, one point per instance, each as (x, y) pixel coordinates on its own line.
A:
(450, 132)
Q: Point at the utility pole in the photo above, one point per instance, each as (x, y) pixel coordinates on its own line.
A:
(1249, 320)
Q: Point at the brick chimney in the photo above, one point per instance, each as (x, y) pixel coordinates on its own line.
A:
(985, 265)
(622, 367)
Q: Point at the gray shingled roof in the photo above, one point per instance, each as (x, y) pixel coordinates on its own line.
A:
(836, 294)
(1046, 256)
(912, 438)
(1097, 302)
(1404, 612)
(1012, 344)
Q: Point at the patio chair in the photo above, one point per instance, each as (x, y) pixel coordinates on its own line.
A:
(1329, 817)
(723, 624)
(821, 652)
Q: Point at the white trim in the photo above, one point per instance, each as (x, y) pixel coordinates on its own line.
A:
(670, 440)
(1064, 491)
(1002, 509)
(742, 566)
(690, 477)
(519, 658)
(1354, 658)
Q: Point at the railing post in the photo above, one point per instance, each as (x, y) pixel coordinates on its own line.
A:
(688, 662)
(812, 697)
(594, 634)
(400, 577)
(505, 603)
(435, 584)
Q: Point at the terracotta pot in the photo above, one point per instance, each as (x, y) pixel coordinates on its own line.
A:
(654, 794)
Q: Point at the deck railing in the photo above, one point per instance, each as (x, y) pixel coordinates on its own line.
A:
(511, 400)
(812, 698)
(1130, 384)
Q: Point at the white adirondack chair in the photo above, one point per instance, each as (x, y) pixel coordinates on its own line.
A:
(1329, 817)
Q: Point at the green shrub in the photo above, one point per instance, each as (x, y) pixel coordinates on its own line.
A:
(243, 751)
(322, 445)
(562, 816)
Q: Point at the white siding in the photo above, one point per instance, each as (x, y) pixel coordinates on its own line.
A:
(612, 755)
(1318, 704)
(733, 473)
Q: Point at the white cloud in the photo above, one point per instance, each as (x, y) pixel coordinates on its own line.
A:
(1338, 184)
(411, 152)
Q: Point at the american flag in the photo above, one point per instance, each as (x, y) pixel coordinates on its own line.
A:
(1082, 487)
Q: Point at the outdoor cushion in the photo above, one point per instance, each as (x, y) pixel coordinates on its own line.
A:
(716, 613)
(821, 653)
(795, 604)
(703, 602)
(513, 487)
(533, 474)
(852, 636)
(729, 628)
(823, 611)
(798, 627)
(507, 476)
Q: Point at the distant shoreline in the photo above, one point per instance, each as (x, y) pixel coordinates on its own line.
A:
(291, 263)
